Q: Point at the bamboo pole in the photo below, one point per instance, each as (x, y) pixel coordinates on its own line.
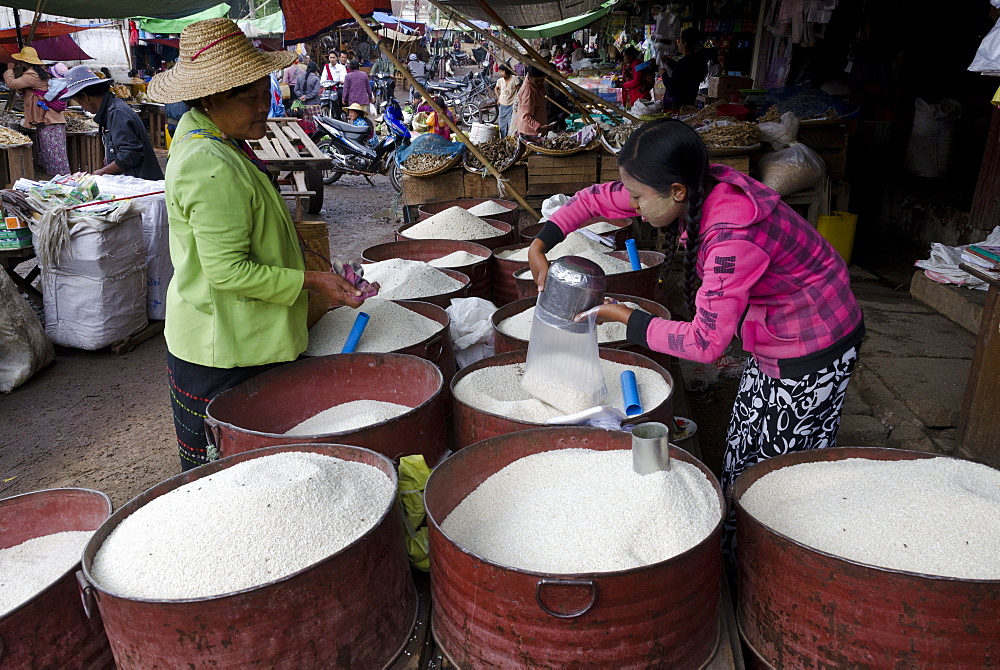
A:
(34, 21)
(532, 57)
(17, 28)
(442, 114)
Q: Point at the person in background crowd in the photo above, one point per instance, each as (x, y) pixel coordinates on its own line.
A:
(134, 78)
(364, 50)
(418, 69)
(291, 76)
(127, 149)
(357, 115)
(532, 117)
(307, 91)
(32, 79)
(683, 76)
(639, 87)
(105, 73)
(561, 62)
(382, 64)
(237, 303)
(630, 59)
(332, 79)
(277, 104)
(766, 276)
(506, 92)
(435, 124)
(174, 111)
(357, 86)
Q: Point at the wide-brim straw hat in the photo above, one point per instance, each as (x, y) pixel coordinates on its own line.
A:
(358, 108)
(28, 55)
(215, 56)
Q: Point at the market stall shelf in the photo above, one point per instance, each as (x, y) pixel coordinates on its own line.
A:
(16, 161)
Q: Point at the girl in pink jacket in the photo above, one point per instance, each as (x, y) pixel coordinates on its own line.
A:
(767, 277)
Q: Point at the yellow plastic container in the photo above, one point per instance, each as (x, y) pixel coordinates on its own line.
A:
(838, 229)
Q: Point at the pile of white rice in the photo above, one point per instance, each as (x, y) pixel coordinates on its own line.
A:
(29, 568)
(578, 510)
(454, 223)
(576, 244)
(401, 279)
(352, 415)
(456, 259)
(488, 209)
(519, 326)
(244, 526)
(937, 516)
(391, 327)
(497, 390)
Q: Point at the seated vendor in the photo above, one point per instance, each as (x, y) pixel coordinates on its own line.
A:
(358, 116)
(127, 149)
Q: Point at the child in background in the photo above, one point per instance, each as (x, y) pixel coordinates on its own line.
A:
(438, 126)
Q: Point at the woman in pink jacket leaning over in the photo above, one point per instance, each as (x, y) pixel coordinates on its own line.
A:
(767, 277)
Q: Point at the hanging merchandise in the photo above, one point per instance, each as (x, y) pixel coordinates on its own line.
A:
(987, 60)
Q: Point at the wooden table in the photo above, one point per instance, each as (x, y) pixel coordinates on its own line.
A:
(978, 429)
(286, 147)
(10, 259)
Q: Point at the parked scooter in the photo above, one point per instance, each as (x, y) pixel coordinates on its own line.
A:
(347, 147)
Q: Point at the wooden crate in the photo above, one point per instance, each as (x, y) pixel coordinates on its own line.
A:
(548, 175)
(15, 163)
(439, 188)
(609, 168)
(477, 186)
(740, 162)
(85, 152)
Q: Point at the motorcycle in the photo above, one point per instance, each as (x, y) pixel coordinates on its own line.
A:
(347, 147)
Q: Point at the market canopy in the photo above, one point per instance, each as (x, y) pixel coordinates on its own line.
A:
(566, 25)
(396, 36)
(526, 12)
(271, 24)
(50, 50)
(308, 19)
(114, 9)
(44, 30)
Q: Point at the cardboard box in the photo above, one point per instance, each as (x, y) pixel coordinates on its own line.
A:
(725, 87)
(22, 243)
(17, 234)
(12, 223)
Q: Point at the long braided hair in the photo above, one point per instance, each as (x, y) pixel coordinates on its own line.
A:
(660, 154)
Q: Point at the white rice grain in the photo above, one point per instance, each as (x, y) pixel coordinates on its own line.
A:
(497, 390)
(454, 223)
(244, 526)
(456, 259)
(519, 326)
(602, 227)
(351, 415)
(29, 568)
(391, 327)
(401, 279)
(579, 510)
(935, 516)
(577, 244)
(488, 209)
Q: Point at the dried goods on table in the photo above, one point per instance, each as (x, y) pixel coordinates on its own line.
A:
(733, 134)
(556, 142)
(79, 124)
(704, 115)
(426, 162)
(11, 120)
(8, 136)
(615, 137)
(501, 152)
(772, 115)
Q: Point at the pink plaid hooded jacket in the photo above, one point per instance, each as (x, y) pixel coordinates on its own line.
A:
(767, 277)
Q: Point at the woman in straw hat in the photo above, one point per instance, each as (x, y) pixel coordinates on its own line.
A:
(237, 303)
(31, 77)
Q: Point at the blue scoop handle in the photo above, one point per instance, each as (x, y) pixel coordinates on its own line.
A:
(630, 392)
(355, 335)
(633, 254)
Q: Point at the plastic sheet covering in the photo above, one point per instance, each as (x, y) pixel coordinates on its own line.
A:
(24, 349)
(429, 144)
(522, 14)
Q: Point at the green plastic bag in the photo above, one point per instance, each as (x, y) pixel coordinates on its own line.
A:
(413, 474)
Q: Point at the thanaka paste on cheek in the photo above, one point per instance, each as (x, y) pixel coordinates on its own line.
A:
(656, 207)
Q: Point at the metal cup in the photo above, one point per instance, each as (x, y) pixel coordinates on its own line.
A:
(573, 285)
(650, 448)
